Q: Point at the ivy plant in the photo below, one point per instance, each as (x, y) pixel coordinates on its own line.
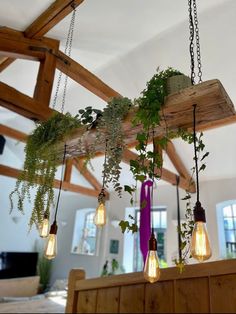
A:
(41, 160)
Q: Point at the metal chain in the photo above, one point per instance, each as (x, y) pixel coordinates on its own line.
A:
(199, 64)
(67, 51)
(191, 38)
(194, 34)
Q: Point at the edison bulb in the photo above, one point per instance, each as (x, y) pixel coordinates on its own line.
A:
(151, 269)
(100, 215)
(200, 245)
(44, 228)
(51, 246)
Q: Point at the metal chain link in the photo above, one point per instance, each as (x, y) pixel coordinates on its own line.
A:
(199, 64)
(67, 51)
(194, 34)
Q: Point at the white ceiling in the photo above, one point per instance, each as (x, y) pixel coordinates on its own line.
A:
(123, 42)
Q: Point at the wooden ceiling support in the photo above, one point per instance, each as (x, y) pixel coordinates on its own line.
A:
(12, 133)
(165, 174)
(46, 21)
(14, 45)
(66, 186)
(22, 104)
(79, 164)
(68, 170)
(85, 78)
(45, 78)
(52, 16)
(176, 161)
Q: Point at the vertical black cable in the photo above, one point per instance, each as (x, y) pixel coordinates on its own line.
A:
(59, 193)
(195, 149)
(153, 169)
(178, 219)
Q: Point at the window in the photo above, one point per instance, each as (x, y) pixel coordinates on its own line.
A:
(133, 260)
(226, 217)
(85, 233)
(229, 214)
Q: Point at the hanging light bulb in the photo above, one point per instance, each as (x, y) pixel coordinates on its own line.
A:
(151, 269)
(51, 246)
(100, 215)
(200, 244)
(44, 227)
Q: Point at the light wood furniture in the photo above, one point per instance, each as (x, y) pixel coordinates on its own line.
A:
(19, 287)
(202, 288)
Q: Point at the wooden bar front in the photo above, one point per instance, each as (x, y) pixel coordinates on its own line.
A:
(202, 288)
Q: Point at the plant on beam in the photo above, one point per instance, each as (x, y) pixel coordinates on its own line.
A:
(41, 159)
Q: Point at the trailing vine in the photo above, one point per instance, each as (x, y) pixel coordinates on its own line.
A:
(41, 160)
(186, 228)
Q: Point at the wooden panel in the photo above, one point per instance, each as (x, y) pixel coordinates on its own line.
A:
(223, 294)
(108, 300)
(192, 296)
(72, 298)
(87, 301)
(159, 297)
(4, 64)
(213, 104)
(85, 78)
(22, 104)
(132, 299)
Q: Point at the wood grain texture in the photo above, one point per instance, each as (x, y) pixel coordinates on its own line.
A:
(72, 298)
(84, 77)
(192, 296)
(223, 294)
(132, 299)
(87, 301)
(50, 17)
(22, 104)
(159, 297)
(213, 105)
(108, 300)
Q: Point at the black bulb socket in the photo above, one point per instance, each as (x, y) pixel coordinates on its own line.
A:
(53, 229)
(152, 243)
(199, 213)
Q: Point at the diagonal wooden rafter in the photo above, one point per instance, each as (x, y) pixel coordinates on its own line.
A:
(66, 186)
(24, 105)
(12, 133)
(165, 174)
(79, 164)
(46, 21)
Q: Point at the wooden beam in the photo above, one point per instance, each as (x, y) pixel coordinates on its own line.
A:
(176, 161)
(79, 164)
(66, 186)
(12, 133)
(14, 45)
(43, 87)
(22, 104)
(4, 64)
(85, 78)
(52, 16)
(165, 174)
(213, 106)
(46, 21)
(68, 170)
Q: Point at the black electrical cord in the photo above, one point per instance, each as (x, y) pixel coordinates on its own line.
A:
(195, 149)
(178, 218)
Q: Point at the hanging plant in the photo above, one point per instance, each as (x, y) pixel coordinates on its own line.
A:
(108, 124)
(41, 160)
